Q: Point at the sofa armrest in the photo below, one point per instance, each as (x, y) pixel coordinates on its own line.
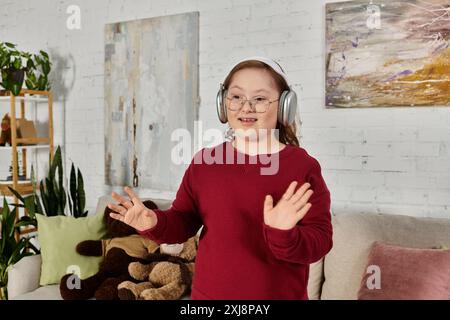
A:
(24, 276)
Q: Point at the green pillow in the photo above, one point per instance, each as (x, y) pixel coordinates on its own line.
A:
(58, 236)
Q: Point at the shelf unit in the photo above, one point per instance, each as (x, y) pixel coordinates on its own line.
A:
(25, 187)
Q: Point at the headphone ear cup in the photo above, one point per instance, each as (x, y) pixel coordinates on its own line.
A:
(287, 107)
(220, 105)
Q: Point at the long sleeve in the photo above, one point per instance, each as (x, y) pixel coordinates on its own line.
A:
(182, 220)
(311, 238)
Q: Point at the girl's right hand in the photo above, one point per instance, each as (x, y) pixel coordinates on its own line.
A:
(132, 211)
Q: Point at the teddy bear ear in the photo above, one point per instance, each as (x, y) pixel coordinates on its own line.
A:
(150, 204)
(115, 227)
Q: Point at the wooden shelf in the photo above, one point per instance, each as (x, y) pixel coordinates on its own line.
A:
(34, 146)
(26, 98)
(23, 187)
(26, 95)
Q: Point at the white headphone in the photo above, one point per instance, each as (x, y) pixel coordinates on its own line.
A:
(287, 104)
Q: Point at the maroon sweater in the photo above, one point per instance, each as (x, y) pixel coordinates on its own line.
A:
(239, 257)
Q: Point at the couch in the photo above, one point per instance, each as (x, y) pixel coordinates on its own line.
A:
(337, 276)
(23, 277)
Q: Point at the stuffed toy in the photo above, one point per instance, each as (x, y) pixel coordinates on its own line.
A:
(166, 275)
(123, 247)
(5, 137)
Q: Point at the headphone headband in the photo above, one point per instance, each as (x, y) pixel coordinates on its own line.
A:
(271, 63)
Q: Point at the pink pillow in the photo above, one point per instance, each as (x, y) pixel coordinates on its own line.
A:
(406, 274)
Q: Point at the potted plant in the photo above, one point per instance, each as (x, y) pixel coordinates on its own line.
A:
(37, 74)
(11, 250)
(13, 65)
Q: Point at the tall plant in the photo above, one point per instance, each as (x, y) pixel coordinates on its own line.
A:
(53, 194)
(11, 250)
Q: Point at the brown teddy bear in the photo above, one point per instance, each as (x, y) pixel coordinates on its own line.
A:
(167, 275)
(5, 137)
(123, 247)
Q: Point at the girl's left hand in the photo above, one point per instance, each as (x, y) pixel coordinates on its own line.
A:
(291, 208)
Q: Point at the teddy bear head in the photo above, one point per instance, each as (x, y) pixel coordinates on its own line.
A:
(186, 250)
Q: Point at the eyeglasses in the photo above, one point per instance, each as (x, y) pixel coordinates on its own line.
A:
(258, 104)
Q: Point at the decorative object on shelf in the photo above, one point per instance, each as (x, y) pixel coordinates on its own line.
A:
(21, 175)
(5, 137)
(387, 54)
(18, 67)
(25, 130)
(11, 249)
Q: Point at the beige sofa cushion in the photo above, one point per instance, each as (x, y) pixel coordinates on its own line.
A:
(315, 280)
(353, 235)
(25, 275)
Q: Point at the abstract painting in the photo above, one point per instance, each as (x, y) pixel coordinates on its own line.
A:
(151, 89)
(388, 53)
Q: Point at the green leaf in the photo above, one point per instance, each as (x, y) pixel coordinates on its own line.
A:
(17, 194)
(46, 68)
(81, 194)
(70, 206)
(17, 63)
(30, 206)
(42, 82)
(38, 59)
(16, 88)
(73, 190)
(44, 199)
(4, 61)
(45, 54)
(25, 222)
(30, 65)
(30, 85)
(9, 45)
(39, 206)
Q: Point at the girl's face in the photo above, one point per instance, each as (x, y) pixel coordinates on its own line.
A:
(253, 83)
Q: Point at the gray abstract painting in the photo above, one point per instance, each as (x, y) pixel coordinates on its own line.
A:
(151, 89)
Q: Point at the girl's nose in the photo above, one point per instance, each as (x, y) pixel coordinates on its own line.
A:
(247, 107)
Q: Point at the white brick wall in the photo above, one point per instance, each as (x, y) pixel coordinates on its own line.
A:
(392, 160)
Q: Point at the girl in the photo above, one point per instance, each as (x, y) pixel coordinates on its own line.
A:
(260, 231)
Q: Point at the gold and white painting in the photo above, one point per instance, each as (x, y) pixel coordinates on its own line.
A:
(151, 89)
(388, 53)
